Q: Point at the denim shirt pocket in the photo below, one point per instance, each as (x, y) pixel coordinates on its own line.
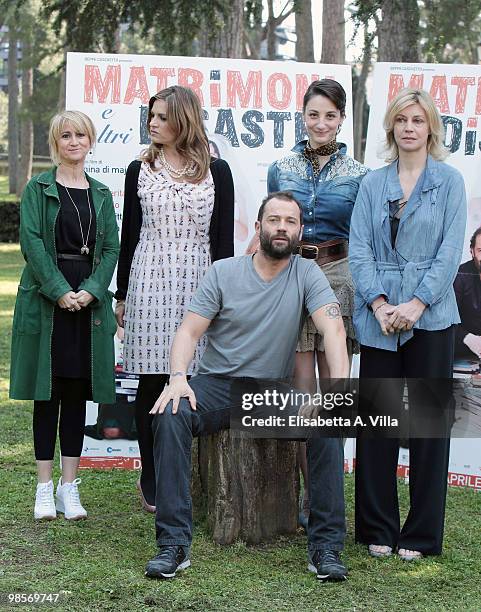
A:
(302, 189)
(344, 186)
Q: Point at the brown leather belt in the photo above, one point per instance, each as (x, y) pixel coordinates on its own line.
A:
(324, 252)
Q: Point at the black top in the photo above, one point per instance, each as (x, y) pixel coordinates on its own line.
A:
(71, 330)
(68, 237)
(221, 231)
(395, 209)
(467, 286)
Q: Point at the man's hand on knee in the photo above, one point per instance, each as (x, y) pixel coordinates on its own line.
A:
(177, 388)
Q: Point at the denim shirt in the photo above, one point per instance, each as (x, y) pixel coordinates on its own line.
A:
(427, 251)
(328, 199)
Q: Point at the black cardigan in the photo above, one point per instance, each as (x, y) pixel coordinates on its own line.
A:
(221, 231)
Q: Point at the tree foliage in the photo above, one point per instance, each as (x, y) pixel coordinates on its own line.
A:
(171, 25)
(446, 31)
(451, 31)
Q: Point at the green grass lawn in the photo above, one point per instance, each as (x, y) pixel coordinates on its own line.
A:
(98, 564)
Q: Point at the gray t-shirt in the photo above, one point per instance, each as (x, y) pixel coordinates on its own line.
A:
(256, 324)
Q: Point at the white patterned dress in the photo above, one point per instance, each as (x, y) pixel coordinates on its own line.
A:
(169, 262)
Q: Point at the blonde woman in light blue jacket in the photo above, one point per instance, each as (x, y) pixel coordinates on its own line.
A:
(405, 245)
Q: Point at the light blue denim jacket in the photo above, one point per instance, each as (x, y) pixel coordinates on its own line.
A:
(328, 199)
(428, 249)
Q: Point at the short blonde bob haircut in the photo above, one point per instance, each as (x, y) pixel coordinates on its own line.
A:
(184, 117)
(79, 121)
(405, 98)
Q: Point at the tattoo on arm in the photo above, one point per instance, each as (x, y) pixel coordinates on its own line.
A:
(333, 311)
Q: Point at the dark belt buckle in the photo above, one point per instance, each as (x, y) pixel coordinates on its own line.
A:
(312, 251)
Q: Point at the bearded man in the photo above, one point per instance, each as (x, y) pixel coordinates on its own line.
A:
(251, 308)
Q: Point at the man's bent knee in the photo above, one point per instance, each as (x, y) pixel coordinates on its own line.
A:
(169, 420)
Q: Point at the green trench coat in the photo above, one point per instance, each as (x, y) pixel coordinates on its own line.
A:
(42, 284)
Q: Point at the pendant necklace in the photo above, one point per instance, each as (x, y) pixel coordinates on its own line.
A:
(84, 250)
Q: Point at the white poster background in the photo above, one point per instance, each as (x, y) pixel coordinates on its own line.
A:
(456, 90)
(252, 110)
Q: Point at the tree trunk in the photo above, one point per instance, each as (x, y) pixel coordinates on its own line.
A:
(333, 32)
(12, 110)
(305, 40)
(26, 124)
(360, 97)
(398, 33)
(271, 31)
(252, 487)
(228, 42)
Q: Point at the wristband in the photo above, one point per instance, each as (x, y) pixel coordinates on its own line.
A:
(177, 374)
(378, 307)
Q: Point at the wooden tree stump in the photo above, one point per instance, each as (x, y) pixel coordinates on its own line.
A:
(252, 487)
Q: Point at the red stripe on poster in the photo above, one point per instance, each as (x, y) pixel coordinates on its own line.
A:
(107, 463)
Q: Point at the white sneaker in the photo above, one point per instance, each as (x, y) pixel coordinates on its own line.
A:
(44, 502)
(68, 500)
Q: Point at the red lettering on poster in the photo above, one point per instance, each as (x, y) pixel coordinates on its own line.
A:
(137, 86)
(193, 79)
(439, 93)
(214, 94)
(477, 110)
(286, 90)
(110, 84)
(464, 480)
(396, 83)
(251, 90)
(462, 85)
(301, 86)
(162, 75)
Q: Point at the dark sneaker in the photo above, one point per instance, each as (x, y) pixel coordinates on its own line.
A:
(167, 561)
(327, 565)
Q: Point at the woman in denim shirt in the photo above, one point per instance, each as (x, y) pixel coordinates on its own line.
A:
(325, 181)
(407, 233)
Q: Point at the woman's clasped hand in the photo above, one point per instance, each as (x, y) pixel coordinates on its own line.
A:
(73, 301)
(394, 319)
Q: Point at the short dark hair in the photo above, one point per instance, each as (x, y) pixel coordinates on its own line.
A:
(329, 88)
(279, 195)
(472, 242)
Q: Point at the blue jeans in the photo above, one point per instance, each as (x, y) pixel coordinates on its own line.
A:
(173, 434)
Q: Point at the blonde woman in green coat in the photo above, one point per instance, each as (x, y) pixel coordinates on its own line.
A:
(63, 325)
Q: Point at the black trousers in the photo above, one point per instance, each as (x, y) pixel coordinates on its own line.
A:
(69, 398)
(149, 389)
(429, 355)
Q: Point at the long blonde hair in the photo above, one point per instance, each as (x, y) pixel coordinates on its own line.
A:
(405, 98)
(184, 117)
